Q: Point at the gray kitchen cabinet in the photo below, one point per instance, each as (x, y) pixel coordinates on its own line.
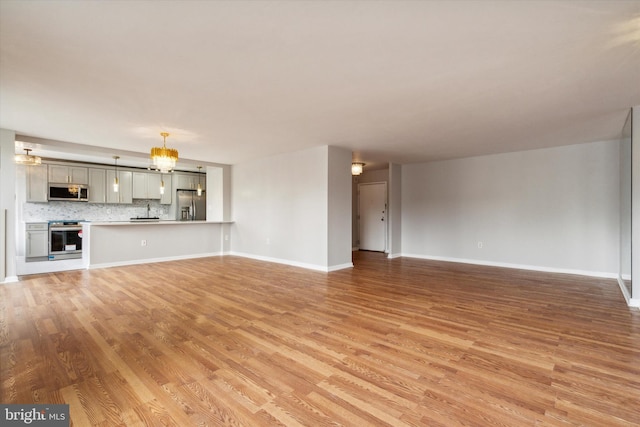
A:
(37, 241)
(165, 199)
(146, 185)
(189, 181)
(125, 192)
(97, 185)
(139, 185)
(68, 174)
(153, 186)
(37, 186)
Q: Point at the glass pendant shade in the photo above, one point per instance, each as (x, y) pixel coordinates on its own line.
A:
(116, 182)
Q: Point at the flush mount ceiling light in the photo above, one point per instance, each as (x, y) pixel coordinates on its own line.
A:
(356, 168)
(164, 159)
(28, 159)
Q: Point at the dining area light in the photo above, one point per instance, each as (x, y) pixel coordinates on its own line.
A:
(164, 159)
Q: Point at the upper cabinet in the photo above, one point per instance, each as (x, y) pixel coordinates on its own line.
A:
(125, 184)
(146, 185)
(68, 174)
(189, 181)
(97, 185)
(37, 183)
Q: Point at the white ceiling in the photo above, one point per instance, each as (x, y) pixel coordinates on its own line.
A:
(399, 81)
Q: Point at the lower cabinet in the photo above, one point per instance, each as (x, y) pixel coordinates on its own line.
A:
(37, 241)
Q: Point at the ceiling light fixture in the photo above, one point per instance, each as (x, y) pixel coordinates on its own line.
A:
(199, 186)
(116, 181)
(28, 159)
(356, 168)
(164, 159)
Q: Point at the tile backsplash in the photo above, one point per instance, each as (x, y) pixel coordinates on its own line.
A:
(54, 210)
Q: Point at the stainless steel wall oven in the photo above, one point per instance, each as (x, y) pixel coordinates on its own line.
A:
(65, 240)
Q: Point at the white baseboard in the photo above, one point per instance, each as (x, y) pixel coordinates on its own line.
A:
(9, 279)
(391, 256)
(589, 273)
(293, 263)
(152, 260)
(24, 268)
(339, 267)
(624, 290)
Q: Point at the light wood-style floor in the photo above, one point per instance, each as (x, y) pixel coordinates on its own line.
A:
(402, 342)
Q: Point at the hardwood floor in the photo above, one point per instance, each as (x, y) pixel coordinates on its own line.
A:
(402, 342)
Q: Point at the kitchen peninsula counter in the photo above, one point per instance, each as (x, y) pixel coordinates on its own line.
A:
(154, 222)
(114, 243)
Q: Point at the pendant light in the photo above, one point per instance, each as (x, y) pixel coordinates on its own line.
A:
(116, 182)
(28, 159)
(164, 159)
(199, 186)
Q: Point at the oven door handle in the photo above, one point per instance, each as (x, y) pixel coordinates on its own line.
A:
(66, 228)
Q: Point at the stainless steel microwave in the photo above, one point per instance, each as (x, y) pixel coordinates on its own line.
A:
(69, 192)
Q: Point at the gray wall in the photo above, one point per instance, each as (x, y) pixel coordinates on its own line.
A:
(395, 210)
(555, 209)
(120, 243)
(625, 209)
(339, 208)
(635, 208)
(281, 210)
(7, 206)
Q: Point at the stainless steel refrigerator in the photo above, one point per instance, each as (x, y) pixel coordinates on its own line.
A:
(191, 207)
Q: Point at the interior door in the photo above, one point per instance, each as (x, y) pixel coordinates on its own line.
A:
(372, 204)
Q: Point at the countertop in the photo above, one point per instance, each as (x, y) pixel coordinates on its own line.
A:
(156, 222)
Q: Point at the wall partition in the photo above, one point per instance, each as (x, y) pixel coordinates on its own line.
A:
(635, 205)
(624, 277)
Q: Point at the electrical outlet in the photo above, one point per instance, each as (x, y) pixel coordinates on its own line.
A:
(226, 237)
(479, 245)
(143, 242)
